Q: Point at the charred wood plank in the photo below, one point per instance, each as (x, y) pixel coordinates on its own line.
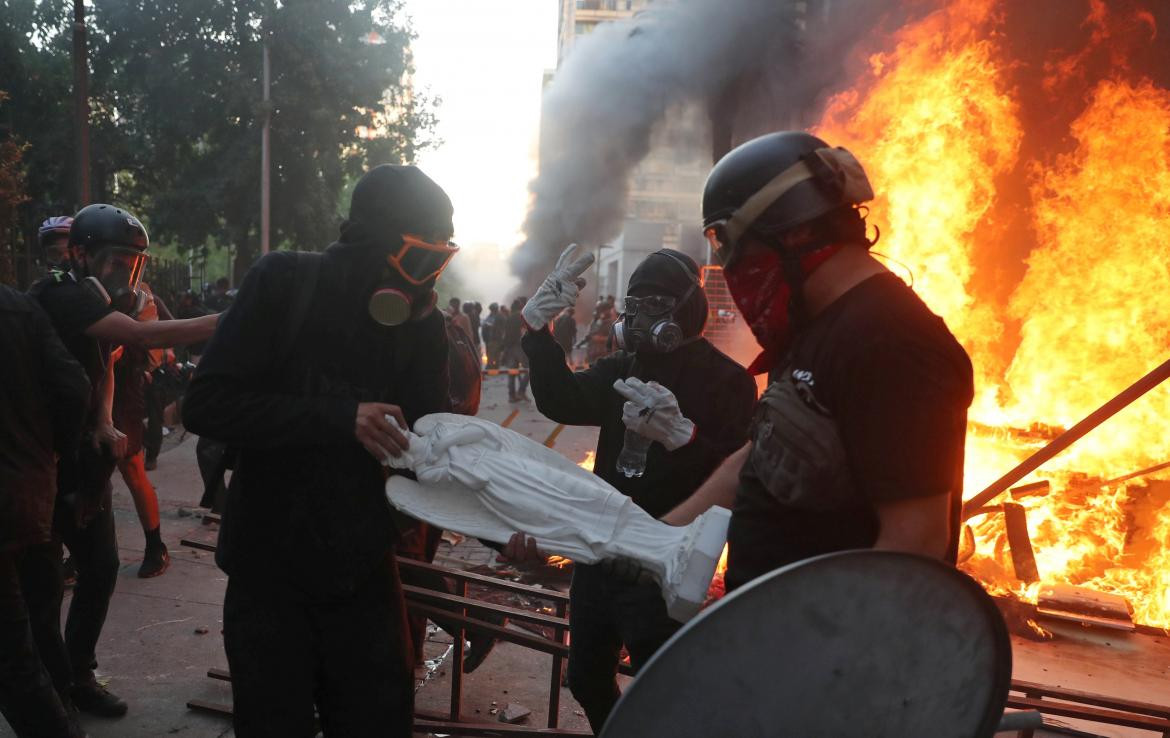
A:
(1080, 604)
(1015, 519)
(1035, 489)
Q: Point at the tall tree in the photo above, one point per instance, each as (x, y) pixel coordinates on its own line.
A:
(176, 109)
(12, 194)
(187, 73)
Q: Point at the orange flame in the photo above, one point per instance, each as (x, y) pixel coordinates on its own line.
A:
(587, 462)
(937, 123)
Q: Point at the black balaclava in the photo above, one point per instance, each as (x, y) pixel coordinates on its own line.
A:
(672, 273)
(388, 201)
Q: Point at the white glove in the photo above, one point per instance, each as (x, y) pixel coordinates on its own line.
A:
(652, 411)
(559, 289)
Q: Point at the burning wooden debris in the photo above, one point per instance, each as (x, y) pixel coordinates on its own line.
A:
(1085, 606)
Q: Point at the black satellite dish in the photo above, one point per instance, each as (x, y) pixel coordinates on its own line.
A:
(872, 644)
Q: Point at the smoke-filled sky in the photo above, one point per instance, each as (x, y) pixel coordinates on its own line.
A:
(486, 61)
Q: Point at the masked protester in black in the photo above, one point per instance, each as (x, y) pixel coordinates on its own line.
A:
(43, 397)
(314, 615)
(858, 439)
(714, 392)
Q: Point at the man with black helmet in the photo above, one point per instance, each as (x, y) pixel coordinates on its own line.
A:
(315, 353)
(858, 440)
(88, 306)
(670, 386)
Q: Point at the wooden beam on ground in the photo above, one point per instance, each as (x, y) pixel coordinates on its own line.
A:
(552, 437)
(216, 708)
(1034, 690)
(1091, 714)
(198, 544)
(511, 417)
(1083, 605)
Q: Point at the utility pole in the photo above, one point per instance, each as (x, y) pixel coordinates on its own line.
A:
(264, 162)
(81, 102)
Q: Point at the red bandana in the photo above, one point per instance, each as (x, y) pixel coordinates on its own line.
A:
(762, 294)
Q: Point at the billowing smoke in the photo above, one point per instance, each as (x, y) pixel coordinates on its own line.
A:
(740, 59)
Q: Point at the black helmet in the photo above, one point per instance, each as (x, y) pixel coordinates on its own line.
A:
(97, 226)
(777, 182)
(114, 243)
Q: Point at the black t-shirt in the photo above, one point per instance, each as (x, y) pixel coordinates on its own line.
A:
(73, 308)
(887, 374)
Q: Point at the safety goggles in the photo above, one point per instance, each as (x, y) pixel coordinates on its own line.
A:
(837, 170)
(420, 261)
(652, 305)
(118, 261)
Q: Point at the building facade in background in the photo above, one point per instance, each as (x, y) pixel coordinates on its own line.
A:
(664, 206)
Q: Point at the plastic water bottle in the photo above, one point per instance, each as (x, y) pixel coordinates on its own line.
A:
(632, 460)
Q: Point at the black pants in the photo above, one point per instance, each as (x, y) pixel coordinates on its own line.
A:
(209, 455)
(513, 357)
(348, 657)
(28, 699)
(419, 541)
(604, 614)
(94, 549)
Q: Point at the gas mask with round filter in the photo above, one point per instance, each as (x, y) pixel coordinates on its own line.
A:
(405, 291)
(649, 324)
(113, 274)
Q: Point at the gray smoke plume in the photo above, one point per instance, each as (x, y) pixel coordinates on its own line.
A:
(740, 59)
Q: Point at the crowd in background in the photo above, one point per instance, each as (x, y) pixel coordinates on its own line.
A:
(497, 335)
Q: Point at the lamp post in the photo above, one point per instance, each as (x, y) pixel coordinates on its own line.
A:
(265, 184)
(81, 102)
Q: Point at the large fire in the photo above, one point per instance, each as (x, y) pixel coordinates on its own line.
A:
(937, 120)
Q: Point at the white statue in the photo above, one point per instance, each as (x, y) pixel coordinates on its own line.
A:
(479, 479)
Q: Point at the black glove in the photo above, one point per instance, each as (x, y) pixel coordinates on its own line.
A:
(624, 570)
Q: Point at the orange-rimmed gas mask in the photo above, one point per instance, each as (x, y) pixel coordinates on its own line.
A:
(417, 262)
(113, 273)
